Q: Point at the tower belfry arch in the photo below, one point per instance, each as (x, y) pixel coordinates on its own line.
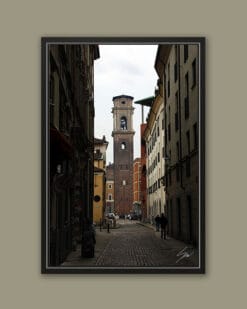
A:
(123, 147)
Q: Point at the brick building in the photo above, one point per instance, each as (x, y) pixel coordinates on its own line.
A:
(123, 134)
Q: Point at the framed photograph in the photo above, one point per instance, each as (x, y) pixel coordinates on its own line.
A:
(123, 155)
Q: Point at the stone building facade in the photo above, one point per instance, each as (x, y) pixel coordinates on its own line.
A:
(137, 186)
(123, 134)
(177, 67)
(143, 186)
(155, 162)
(71, 134)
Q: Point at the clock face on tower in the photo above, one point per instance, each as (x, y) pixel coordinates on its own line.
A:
(123, 134)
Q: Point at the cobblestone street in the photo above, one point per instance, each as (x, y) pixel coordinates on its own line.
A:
(135, 245)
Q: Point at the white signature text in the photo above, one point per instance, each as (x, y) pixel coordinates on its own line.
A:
(185, 253)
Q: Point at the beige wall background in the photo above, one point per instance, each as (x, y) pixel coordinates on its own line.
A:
(22, 23)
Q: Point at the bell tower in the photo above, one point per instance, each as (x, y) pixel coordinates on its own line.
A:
(123, 134)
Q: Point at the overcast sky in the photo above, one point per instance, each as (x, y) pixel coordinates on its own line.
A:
(128, 70)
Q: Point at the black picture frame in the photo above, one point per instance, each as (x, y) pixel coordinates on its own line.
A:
(46, 165)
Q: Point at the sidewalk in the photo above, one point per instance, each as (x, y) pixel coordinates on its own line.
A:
(174, 243)
(74, 258)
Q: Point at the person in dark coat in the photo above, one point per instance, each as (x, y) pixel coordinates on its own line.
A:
(163, 225)
(157, 223)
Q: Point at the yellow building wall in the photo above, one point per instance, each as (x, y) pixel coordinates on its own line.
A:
(98, 190)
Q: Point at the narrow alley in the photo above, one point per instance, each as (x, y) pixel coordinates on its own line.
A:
(133, 244)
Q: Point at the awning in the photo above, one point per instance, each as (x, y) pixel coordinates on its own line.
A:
(146, 102)
(59, 144)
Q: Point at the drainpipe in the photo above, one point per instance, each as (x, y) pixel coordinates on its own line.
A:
(179, 117)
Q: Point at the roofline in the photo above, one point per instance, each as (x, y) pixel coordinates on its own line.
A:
(123, 96)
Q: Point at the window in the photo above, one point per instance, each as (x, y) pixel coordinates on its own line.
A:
(188, 140)
(177, 172)
(175, 72)
(177, 146)
(186, 108)
(186, 49)
(109, 197)
(123, 146)
(193, 73)
(124, 182)
(123, 123)
(97, 198)
(187, 84)
(188, 172)
(186, 99)
(158, 157)
(195, 135)
(168, 80)
(176, 121)
(169, 132)
(123, 102)
(176, 113)
(176, 53)
(109, 186)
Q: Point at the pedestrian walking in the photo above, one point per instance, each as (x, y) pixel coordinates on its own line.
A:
(163, 225)
(157, 223)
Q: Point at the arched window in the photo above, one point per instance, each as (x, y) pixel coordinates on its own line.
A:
(123, 146)
(123, 123)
